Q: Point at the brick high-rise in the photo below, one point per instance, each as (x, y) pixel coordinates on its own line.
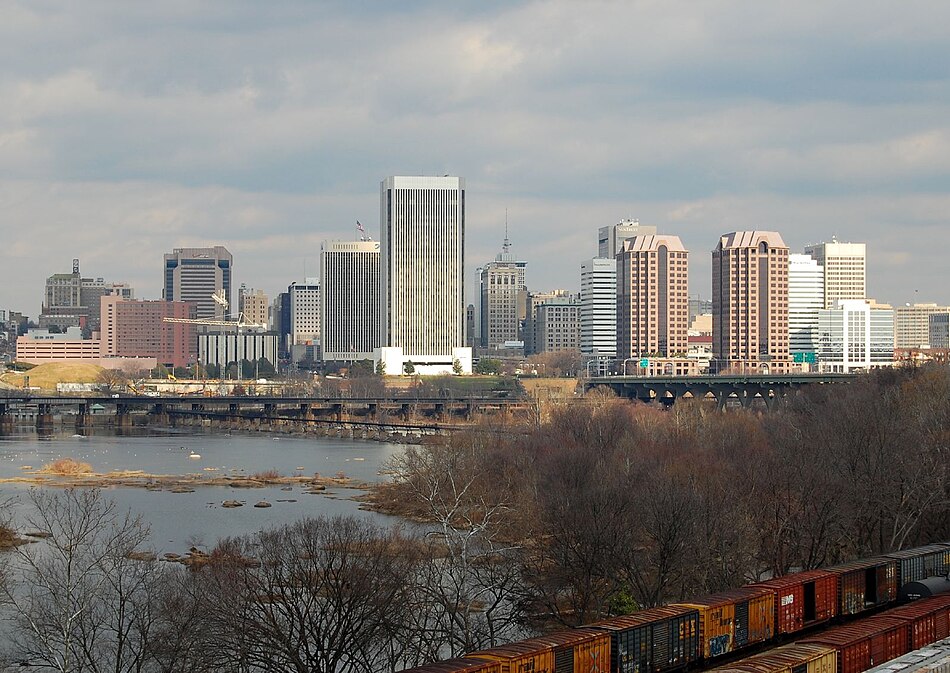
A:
(750, 303)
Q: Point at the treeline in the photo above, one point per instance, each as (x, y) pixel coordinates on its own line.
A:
(609, 506)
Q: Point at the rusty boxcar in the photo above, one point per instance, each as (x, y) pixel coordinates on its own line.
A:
(794, 658)
(658, 640)
(865, 643)
(734, 619)
(462, 665)
(865, 584)
(929, 619)
(581, 650)
(803, 599)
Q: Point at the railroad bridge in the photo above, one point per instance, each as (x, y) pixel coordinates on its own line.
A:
(743, 390)
(393, 413)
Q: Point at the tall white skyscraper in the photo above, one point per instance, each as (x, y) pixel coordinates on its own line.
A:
(806, 296)
(349, 306)
(422, 264)
(845, 270)
(610, 239)
(598, 299)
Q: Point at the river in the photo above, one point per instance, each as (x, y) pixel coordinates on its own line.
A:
(181, 520)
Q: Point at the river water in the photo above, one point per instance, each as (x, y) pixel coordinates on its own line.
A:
(181, 520)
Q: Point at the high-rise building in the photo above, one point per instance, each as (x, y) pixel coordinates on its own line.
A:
(422, 272)
(652, 297)
(557, 325)
(845, 270)
(750, 303)
(855, 336)
(349, 307)
(939, 327)
(134, 328)
(598, 314)
(912, 325)
(533, 342)
(254, 305)
(194, 274)
(503, 299)
(806, 296)
(610, 239)
(71, 300)
(304, 319)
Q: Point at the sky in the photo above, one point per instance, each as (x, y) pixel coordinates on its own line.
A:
(128, 129)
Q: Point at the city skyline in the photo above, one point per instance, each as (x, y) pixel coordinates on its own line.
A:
(266, 128)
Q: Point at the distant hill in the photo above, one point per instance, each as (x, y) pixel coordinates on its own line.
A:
(46, 376)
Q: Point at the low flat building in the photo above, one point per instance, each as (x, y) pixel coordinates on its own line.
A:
(41, 345)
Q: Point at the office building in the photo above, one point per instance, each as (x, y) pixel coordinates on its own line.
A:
(806, 296)
(557, 325)
(598, 312)
(750, 303)
(194, 274)
(699, 306)
(349, 306)
(223, 348)
(610, 239)
(939, 329)
(70, 300)
(503, 300)
(135, 328)
(845, 270)
(912, 325)
(304, 320)
(422, 271)
(532, 337)
(40, 345)
(652, 298)
(855, 336)
(253, 305)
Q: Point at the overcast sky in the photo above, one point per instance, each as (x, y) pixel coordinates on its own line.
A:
(131, 128)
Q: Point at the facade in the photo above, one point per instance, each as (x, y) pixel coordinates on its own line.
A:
(134, 328)
(194, 274)
(652, 297)
(912, 325)
(532, 337)
(254, 304)
(422, 271)
(557, 325)
(503, 300)
(845, 270)
(598, 314)
(855, 336)
(806, 296)
(349, 306)
(39, 345)
(939, 329)
(610, 239)
(750, 303)
(70, 300)
(304, 312)
(223, 348)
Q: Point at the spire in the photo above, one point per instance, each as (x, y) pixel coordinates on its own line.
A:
(505, 254)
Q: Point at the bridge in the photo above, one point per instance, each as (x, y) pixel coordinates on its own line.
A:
(385, 413)
(743, 390)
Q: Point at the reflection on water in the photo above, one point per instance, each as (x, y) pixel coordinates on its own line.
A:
(179, 520)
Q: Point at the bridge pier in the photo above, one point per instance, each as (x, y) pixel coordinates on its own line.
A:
(123, 416)
(83, 418)
(44, 417)
(6, 420)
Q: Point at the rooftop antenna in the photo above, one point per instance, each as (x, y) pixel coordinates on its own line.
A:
(506, 246)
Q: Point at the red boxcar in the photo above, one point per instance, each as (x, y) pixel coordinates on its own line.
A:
(929, 619)
(865, 584)
(466, 665)
(865, 643)
(803, 599)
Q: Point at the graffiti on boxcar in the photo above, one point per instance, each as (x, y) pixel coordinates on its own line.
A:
(719, 645)
(594, 661)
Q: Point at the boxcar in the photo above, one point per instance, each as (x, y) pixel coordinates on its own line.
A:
(865, 584)
(657, 640)
(919, 563)
(803, 599)
(466, 665)
(794, 658)
(582, 650)
(734, 619)
(865, 643)
(929, 619)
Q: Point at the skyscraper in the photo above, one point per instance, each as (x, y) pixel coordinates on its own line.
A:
(503, 298)
(304, 318)
(750, 303)
(598, 299)
(610, 239)
(806, 296)
(194, 274)
(422, 264)
(845, 270)
(349, 308)
(652, 297)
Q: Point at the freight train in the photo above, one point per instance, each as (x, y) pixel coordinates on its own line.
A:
(700, 632)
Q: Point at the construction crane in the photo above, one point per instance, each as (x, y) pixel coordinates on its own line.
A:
(221, 301)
